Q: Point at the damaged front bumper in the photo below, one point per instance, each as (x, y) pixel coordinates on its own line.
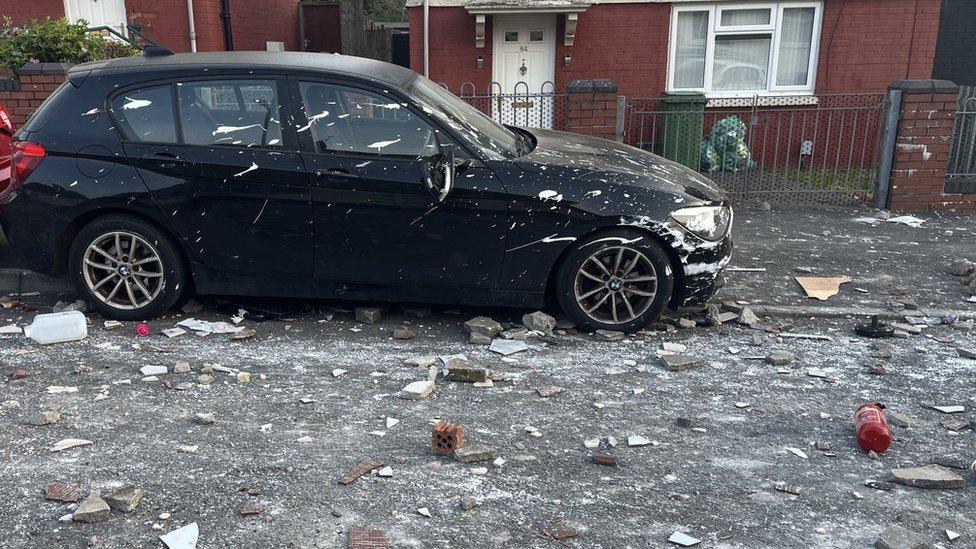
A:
(704, 273)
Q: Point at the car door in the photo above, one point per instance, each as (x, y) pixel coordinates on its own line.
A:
(214, 156)
(376, 221)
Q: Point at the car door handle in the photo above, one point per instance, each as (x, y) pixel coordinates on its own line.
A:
(164, 159)
(340, 173)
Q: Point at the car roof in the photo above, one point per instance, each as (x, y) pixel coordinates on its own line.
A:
(329, 62)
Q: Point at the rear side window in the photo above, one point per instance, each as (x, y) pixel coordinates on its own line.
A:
(147, 114)
(243, 113)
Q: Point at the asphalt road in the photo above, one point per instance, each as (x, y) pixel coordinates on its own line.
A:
(720, 483)
(717, 485)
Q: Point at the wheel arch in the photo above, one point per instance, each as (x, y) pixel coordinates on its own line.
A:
(679, 286)
(71, 230)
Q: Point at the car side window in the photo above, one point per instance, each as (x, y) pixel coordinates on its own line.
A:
(241, 113)
(342, 119)
(147, 114)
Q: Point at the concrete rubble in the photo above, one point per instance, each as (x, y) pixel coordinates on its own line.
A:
(576, 429)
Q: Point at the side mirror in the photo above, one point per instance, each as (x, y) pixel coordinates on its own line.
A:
(439, 172)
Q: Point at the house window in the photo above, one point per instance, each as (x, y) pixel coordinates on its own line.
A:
(734, 50)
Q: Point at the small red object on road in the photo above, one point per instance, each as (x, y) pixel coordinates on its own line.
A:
(142, 329)
(872, 428)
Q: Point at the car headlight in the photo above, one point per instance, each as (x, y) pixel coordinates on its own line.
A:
(705, 222)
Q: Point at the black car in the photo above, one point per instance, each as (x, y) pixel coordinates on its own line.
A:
(328, 176)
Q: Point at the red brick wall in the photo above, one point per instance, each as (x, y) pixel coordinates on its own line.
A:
(592, 114)
(34, 89)
(253, 23)
(868, 44)
(256, 23)
(627, 43)
(165, 21)
(918, 173)
(865, 45)
(23, 12)
(453, 53)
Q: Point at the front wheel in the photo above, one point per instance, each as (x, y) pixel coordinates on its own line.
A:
(618, 280)
(126, 268)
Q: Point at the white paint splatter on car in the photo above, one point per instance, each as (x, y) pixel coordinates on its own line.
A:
(253, 167)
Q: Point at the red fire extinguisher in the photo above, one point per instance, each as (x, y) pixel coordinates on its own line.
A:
(872, 428)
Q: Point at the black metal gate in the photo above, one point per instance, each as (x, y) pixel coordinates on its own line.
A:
(544, 108)
(784, 150)
(961, 175)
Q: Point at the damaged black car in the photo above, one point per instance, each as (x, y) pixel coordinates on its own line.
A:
(324, 176)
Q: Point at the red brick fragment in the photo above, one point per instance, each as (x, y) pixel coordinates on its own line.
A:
(603, 459)
(446, 438)
(366, 537)
(568, 533)
(363, 468)
(67, 493)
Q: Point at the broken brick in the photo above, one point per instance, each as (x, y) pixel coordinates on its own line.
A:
(567, 533)
(462, 370)
(365, 537)
(446, 438)
(250, 511)
(67, 493)
(603, 459)
(363, 468)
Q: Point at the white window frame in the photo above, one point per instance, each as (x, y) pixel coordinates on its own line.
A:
(715, 29)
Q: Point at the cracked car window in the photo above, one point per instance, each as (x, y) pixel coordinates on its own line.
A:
(242, 113)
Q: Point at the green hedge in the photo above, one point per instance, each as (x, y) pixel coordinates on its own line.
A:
(55, 41)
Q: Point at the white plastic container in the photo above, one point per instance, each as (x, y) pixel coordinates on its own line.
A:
(57, 328)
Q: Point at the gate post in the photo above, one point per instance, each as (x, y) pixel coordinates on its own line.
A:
(921, 148)
(888, 149)
(591, 108)
(621, 117)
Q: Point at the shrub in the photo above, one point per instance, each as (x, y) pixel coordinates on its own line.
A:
(54, 41)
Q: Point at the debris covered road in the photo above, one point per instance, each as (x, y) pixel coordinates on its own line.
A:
(745, 439)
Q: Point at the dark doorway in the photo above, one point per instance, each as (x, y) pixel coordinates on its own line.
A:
(401, 49)
(322, 27)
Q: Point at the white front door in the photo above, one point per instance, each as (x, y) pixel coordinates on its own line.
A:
(523, 64)
(98, 13)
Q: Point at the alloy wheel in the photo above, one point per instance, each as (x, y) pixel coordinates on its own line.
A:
(615, 285)
(123, 270)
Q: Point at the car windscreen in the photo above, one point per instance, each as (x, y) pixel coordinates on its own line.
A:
(497, 141)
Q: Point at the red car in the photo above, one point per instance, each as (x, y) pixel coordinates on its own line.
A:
(6, 133)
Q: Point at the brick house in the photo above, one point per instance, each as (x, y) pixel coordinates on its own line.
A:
(218, 24)
(725, 48)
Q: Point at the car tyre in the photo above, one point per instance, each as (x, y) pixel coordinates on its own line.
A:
(126, 268)
(618, 280)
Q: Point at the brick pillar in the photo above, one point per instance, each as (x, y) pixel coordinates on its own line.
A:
(922, 148)
(36, 81)
(591, 108)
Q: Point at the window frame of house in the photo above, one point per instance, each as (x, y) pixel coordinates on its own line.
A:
(774, 29)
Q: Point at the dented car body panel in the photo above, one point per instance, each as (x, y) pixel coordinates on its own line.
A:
(291, 217)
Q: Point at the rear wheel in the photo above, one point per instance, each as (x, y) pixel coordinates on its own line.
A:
(126, 268)
(618, 280)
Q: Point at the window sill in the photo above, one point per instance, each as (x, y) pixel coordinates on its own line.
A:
(764, 101)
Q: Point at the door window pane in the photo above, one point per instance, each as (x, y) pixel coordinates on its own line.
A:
(352, 120)
(511, 36)
(691, 39)
(537, 36)
(742, 18)
(243, 113)
(796, 37)
(741, 62)
(147, 115)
